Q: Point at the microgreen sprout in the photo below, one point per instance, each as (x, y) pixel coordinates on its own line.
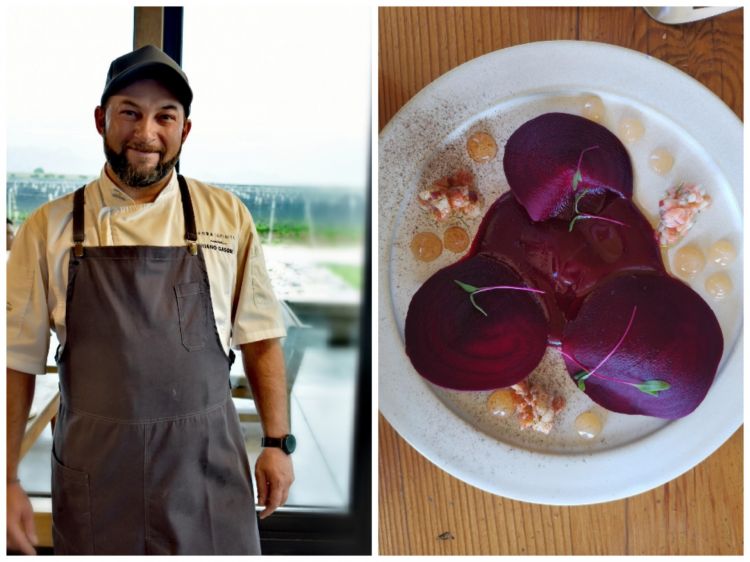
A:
(583, 216)
(472, 290)
(577, 177)
(597, 217)
(652, 387)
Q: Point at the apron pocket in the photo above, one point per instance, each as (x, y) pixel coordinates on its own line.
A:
(191, 305)
(71, 510)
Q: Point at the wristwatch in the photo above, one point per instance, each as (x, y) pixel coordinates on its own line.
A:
(288, 443)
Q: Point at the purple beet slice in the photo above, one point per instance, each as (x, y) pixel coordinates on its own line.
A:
(453, 345)
(674, 337)
(542, 156)
(567, 265)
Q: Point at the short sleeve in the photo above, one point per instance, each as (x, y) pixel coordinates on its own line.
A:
(257, 312)
(27, 318)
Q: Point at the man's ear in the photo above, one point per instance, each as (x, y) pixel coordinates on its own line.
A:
(100, 116)
(186, 129)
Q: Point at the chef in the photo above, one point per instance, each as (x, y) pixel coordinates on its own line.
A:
(149, 279)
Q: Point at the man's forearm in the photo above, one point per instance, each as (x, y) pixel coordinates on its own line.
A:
(264, 369)
(19, 394)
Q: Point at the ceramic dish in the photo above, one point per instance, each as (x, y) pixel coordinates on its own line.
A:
(426, 140)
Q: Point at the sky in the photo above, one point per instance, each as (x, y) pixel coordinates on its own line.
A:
(281, 94)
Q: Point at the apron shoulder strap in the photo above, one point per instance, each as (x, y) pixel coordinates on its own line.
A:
(191, 234)
(78, 203)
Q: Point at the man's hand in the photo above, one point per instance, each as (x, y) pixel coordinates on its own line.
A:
(273, 476)
(20, 524)
(20, 532)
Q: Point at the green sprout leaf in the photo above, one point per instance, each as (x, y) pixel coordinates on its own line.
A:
(466, 287)
(577, 179)
(653, 387)
(581, 376)
(472, 290)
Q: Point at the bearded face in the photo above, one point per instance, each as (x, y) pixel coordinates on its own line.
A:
(143, 127)
(139, 174)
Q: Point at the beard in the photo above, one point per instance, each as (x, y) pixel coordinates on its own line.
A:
(132, 176)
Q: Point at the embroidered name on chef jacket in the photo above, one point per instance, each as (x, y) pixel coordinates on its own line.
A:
(218, 242)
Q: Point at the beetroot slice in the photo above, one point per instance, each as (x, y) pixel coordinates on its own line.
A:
(451, 344)
(542, 155)
(568, 265)
(674, 337)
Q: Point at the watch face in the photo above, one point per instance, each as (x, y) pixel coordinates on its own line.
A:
(289, 444)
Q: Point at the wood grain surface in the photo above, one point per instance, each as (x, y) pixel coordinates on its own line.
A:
(423, 510)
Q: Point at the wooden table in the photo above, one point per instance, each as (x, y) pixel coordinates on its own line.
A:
(423, 510)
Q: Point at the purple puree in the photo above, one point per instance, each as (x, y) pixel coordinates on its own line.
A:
(567, 265)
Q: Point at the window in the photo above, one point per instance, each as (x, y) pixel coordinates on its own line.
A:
(56, 68)
(280, 117)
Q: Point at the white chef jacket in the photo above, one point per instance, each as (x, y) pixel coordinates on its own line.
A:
(245, 307)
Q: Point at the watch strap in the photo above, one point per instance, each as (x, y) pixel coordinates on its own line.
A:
(271, 441)
(287, 443)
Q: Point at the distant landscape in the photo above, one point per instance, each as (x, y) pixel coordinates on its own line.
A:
(283, 215)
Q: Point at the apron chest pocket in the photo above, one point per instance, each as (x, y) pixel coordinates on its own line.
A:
(71, 512)
(191, 305)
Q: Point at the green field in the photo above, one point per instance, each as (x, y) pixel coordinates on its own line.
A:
(296, 232)
(352, 274)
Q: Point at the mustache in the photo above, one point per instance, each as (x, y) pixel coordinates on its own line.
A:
(144, 148)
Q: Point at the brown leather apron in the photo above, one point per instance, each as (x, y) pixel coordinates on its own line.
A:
(148, 456)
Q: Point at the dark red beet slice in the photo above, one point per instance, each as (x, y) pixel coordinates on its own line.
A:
(568, 265)
(451, 344)
(674, 337)
(542, 156)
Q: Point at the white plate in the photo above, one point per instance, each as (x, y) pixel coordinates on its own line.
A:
(498, 92)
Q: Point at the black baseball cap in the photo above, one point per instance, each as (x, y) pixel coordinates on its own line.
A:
(148, 62)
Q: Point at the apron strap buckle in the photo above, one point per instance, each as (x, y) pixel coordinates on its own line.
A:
(78, 249)
(192, 248)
